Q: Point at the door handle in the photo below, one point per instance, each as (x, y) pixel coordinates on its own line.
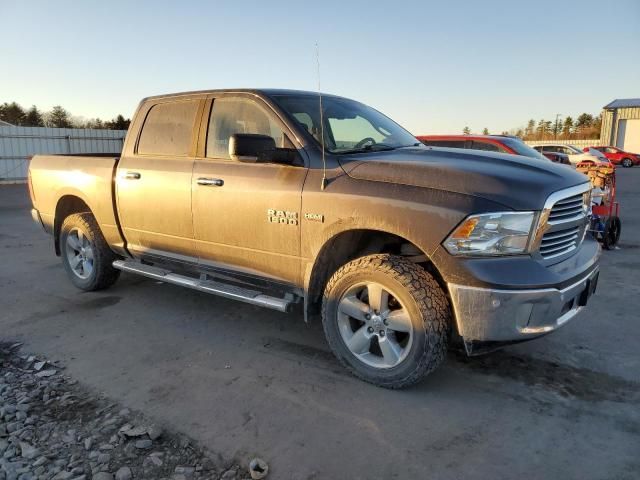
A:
(211, 182)
(132, 176)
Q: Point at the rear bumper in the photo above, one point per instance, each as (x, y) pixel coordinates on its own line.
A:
(493, 315)
(46, 222)
(35, 215)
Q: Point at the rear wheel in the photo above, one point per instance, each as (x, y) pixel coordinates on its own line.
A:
(85, 254)
(611, 234)
(627, 162)
(386, 319)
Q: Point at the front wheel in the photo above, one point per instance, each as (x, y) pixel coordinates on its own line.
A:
(386, 319)
(85, 254)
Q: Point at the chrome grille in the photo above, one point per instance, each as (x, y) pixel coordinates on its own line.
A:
(563, 222)
(560, 242)
(567, 209)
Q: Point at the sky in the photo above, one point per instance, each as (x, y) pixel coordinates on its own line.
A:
(433, 66)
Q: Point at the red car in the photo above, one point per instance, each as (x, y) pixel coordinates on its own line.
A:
(617, 156)
(492, 143)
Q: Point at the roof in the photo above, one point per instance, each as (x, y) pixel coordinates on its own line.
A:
(5, 124)
(623, 102)
(263, 91)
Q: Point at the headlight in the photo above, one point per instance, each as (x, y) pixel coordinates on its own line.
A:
(500, 233)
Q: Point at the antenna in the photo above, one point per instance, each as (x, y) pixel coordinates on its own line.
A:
(324, 163)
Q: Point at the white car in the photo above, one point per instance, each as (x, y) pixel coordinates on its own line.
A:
(574, 153)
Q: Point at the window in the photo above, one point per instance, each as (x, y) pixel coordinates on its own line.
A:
(167, 129)
(346, 130)
(489, 147)
(445, 143)
(231, 115)
(522, 148)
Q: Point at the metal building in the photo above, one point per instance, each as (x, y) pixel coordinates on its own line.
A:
(621, 124)
(19, 144)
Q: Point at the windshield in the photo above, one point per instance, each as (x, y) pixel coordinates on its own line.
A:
(574, 149)
(349, 126)
(522, 148)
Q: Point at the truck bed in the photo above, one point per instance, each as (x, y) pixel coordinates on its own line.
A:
(89, 177)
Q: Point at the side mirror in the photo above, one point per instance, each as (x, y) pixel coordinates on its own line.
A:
(251, 147)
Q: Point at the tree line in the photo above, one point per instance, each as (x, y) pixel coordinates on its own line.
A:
(57, 117)
(584, 127)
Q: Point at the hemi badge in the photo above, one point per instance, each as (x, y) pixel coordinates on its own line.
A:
(314, 217)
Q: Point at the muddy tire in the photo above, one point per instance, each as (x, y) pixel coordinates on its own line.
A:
(386, 319)
(85, 254)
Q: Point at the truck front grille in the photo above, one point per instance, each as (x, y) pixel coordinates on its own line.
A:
(567, 209)
(560, 242)
(564, 221)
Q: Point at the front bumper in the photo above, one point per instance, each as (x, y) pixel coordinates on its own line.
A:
(495, 315)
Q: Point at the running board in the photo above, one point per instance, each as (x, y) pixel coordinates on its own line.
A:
(253, 297)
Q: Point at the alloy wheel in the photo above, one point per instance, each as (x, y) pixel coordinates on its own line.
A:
(79, 250)
(374, 325)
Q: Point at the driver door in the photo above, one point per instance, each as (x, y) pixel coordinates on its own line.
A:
(246, 216)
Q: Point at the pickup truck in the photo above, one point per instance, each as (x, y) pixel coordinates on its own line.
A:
(322, 205)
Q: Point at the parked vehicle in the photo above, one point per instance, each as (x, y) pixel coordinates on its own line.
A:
(618, 156)
(490, 143)
(574, 154)
(256, 196)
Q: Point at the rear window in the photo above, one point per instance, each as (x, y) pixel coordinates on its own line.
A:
(167, 129)
(445, 143)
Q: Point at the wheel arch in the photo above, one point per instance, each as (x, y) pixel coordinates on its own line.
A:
(350, 244)
(67, 205)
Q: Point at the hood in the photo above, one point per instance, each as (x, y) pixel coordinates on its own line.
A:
(517, 182)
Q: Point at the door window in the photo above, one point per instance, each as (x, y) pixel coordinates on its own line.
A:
(168, 128)
(231, 115)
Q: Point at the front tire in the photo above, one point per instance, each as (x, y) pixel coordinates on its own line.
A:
(85, 254)
(386, 319)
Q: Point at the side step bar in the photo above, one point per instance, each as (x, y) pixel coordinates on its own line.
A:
(253, 297)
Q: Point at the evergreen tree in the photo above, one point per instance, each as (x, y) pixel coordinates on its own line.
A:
(58, 117)
(584, 121)
(33, 118)
(567, 127)
(531, 126)
(466, 130)
(12, 113)
(118, 123)
(485, 131)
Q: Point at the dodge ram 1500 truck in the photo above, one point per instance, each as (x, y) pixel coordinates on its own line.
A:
(274, 198)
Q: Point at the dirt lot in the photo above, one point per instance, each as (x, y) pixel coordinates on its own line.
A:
(242, 381)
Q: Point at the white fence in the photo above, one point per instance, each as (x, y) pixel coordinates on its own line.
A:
(577, 143)
(19, 144)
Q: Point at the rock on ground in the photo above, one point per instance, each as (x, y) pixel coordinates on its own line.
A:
(53, 429)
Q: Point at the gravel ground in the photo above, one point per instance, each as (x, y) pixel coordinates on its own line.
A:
(53, 429)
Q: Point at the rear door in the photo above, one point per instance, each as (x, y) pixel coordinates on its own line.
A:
(246, 215)
(154, 181)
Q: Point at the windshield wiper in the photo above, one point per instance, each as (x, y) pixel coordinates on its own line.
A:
(376, 147)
